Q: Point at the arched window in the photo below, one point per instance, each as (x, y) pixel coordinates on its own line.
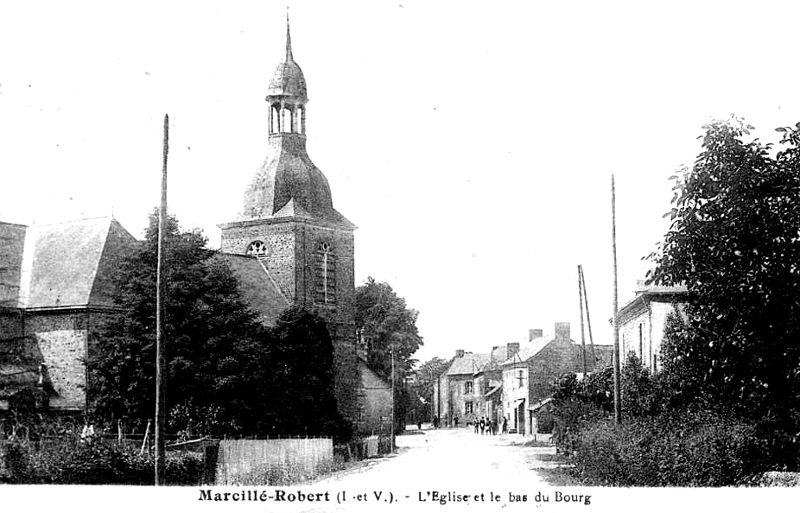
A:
(257, 248)
(325, 275)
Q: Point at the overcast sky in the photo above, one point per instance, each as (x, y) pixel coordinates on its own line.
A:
(472, 143)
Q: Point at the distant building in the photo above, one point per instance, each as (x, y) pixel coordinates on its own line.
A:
(455, 393)
(641, 322)
(528, 375)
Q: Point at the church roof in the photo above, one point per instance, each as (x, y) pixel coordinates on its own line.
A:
(256, 287)
(288, 79)
(72, 263)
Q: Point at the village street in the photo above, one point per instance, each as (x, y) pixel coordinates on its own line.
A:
(455, 467)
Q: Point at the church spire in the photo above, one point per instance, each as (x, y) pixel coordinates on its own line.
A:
(289, 57)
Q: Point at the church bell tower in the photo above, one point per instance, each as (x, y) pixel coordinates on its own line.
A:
(288, 222)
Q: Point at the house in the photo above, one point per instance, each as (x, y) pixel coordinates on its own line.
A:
(529, 374)
(375, 402)
(456, 395)
(641, 321)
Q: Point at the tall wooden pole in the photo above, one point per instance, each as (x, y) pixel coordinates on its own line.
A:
(583, 336)
(393, 385)
(617, 405)
(588, 317)
(160, 403)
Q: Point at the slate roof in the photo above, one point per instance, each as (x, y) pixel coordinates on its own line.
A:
(527, 351)
(472, 363)
(73, 262)
(256, 286)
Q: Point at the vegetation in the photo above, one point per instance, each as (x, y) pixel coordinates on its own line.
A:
(226, 373)
(389, 329)
(734, 242)
(92, 461)
(427, 376)
(725, 405)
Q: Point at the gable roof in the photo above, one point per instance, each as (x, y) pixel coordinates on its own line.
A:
(470, 363)
(71, 264)
(256, 286)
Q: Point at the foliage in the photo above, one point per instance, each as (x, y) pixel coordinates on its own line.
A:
(226, 373)
(387, 325)
(427, 376)
(389, 329)
(95, 460)
(303, 373)
(734, 242)
(212, 338)
(686, 448)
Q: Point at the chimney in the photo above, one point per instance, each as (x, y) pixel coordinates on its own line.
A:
(532, 334)
(562, 331)
(459, 353)
(512, 348)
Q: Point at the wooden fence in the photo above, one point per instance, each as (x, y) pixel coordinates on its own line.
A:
(272, 462)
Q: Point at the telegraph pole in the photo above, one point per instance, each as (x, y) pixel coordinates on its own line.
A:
(617, 405)
(393, 418)
(588, 318)
(583, 337)
(160, 403)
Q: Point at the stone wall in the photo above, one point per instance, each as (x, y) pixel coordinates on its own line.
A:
(556, 358)
(12, 243)
(374, 402)
(62, 339)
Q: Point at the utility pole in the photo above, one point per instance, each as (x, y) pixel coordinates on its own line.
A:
(160, 403)
(588, 318)
(617, 405)
(393, 385)
(583, 336)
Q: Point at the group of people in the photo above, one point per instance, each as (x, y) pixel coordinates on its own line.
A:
(485, 426)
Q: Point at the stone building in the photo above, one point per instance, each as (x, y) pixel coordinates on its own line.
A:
(642, 319)
(56, 289)
(455, 393)
(289, 246)
(290, 226)
(528, 375)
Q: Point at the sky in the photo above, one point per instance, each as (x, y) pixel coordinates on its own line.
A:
(472, 143)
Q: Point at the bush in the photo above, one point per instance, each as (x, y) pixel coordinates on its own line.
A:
(70, 460)
(671, 449)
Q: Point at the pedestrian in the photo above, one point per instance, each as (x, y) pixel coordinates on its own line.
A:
(494, 427)
(455, 422)
(505, 425)
(419, 425)
(483, 425)
(475, 425)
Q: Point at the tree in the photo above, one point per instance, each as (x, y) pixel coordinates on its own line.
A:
(734, 242)
(212, 339)
(385, 323)
(302, 354)
(427, 375)
(389, 329)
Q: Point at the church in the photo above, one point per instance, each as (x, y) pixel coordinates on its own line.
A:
(289, 246)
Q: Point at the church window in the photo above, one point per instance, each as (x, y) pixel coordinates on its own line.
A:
(325, 282)
(257, 248)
